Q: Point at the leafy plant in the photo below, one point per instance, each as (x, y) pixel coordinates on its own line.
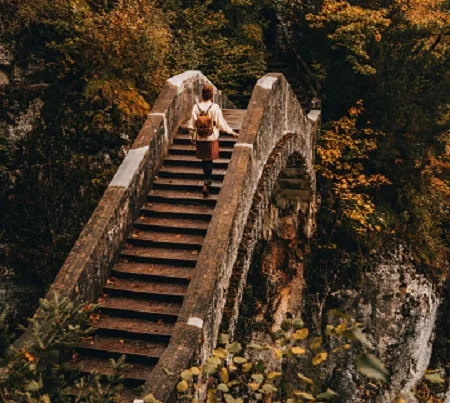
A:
(40, 372)
(234, 374)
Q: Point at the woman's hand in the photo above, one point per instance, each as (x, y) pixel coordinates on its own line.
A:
(235, 135)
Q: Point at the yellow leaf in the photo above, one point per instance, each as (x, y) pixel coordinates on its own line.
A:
(305, 379)
(304, 395)
(224, 375)
(182, 387)
(298, 350)
(329, 330)
(247, 367)
(319, 358)
(195, 371)
(278, 353)
(220, 353)
(273, 375)
(301, 334)
(253, 386)
(341, 328)
(316, 343)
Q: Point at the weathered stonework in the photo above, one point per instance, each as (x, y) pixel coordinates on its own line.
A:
(88, 265)
(273, 114)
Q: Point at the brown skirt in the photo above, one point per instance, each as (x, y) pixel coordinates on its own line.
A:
(207, 150)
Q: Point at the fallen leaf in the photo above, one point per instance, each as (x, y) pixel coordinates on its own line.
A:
(316, 342)
(305, 379)
(301, 334)
(319, 358)
(304, 395)
(434, 378)
(370, 366)
(298, 350)
(327, 395)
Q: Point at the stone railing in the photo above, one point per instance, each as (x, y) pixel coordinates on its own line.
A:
(88, 265)
(273, 113)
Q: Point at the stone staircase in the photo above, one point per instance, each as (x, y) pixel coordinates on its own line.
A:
(277, 63)
(142, 298)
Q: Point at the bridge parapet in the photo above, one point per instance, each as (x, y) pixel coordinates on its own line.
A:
(88, 265)
(274, 114)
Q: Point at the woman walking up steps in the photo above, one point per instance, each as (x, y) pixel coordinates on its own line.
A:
(205, 125)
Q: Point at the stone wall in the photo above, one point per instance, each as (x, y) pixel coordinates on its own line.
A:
(273, 114)
(88, 265)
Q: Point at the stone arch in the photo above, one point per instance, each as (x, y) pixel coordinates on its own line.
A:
(284, 202)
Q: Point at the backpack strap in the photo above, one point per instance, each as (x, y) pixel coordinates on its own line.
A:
(200, 110)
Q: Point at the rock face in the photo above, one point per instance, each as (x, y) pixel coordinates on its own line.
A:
(398, 308)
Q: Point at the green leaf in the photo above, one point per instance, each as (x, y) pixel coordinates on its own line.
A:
(305, 379)
(187, 375)
(268, 389)
(240, 360)
(434, 378)
(355, 333)
(235, 348)
(258, 378)
(304, 395)
(150, 399)
(277, 335)
(298, 323)
(214, 361)
(223, 388)
(254, 346)
(210, 369)
(372, 367)
(327, 395)
(286, 324)
(33, 387)
(224, 338)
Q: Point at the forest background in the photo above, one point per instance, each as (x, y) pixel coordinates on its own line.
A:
(383, 67)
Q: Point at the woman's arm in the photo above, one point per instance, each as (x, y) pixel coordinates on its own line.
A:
(191, 125)
(222, 124)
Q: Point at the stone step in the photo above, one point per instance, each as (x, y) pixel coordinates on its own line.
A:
(178, 225)
(167, 240)
(191, 185)
(161, 273)
(191, 160)
(142, 308)
(134, 375)
(131, 288)
(166, 210)
(136, 351)
(134, 328)
(190, 172)
(159, 255)
(188, 198)
(189, 149)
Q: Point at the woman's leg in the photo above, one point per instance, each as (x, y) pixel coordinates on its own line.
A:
(207, 171)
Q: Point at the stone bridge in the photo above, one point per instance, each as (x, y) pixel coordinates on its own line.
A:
(160, 255)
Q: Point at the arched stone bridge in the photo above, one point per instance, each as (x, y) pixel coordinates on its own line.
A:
(160, 255)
